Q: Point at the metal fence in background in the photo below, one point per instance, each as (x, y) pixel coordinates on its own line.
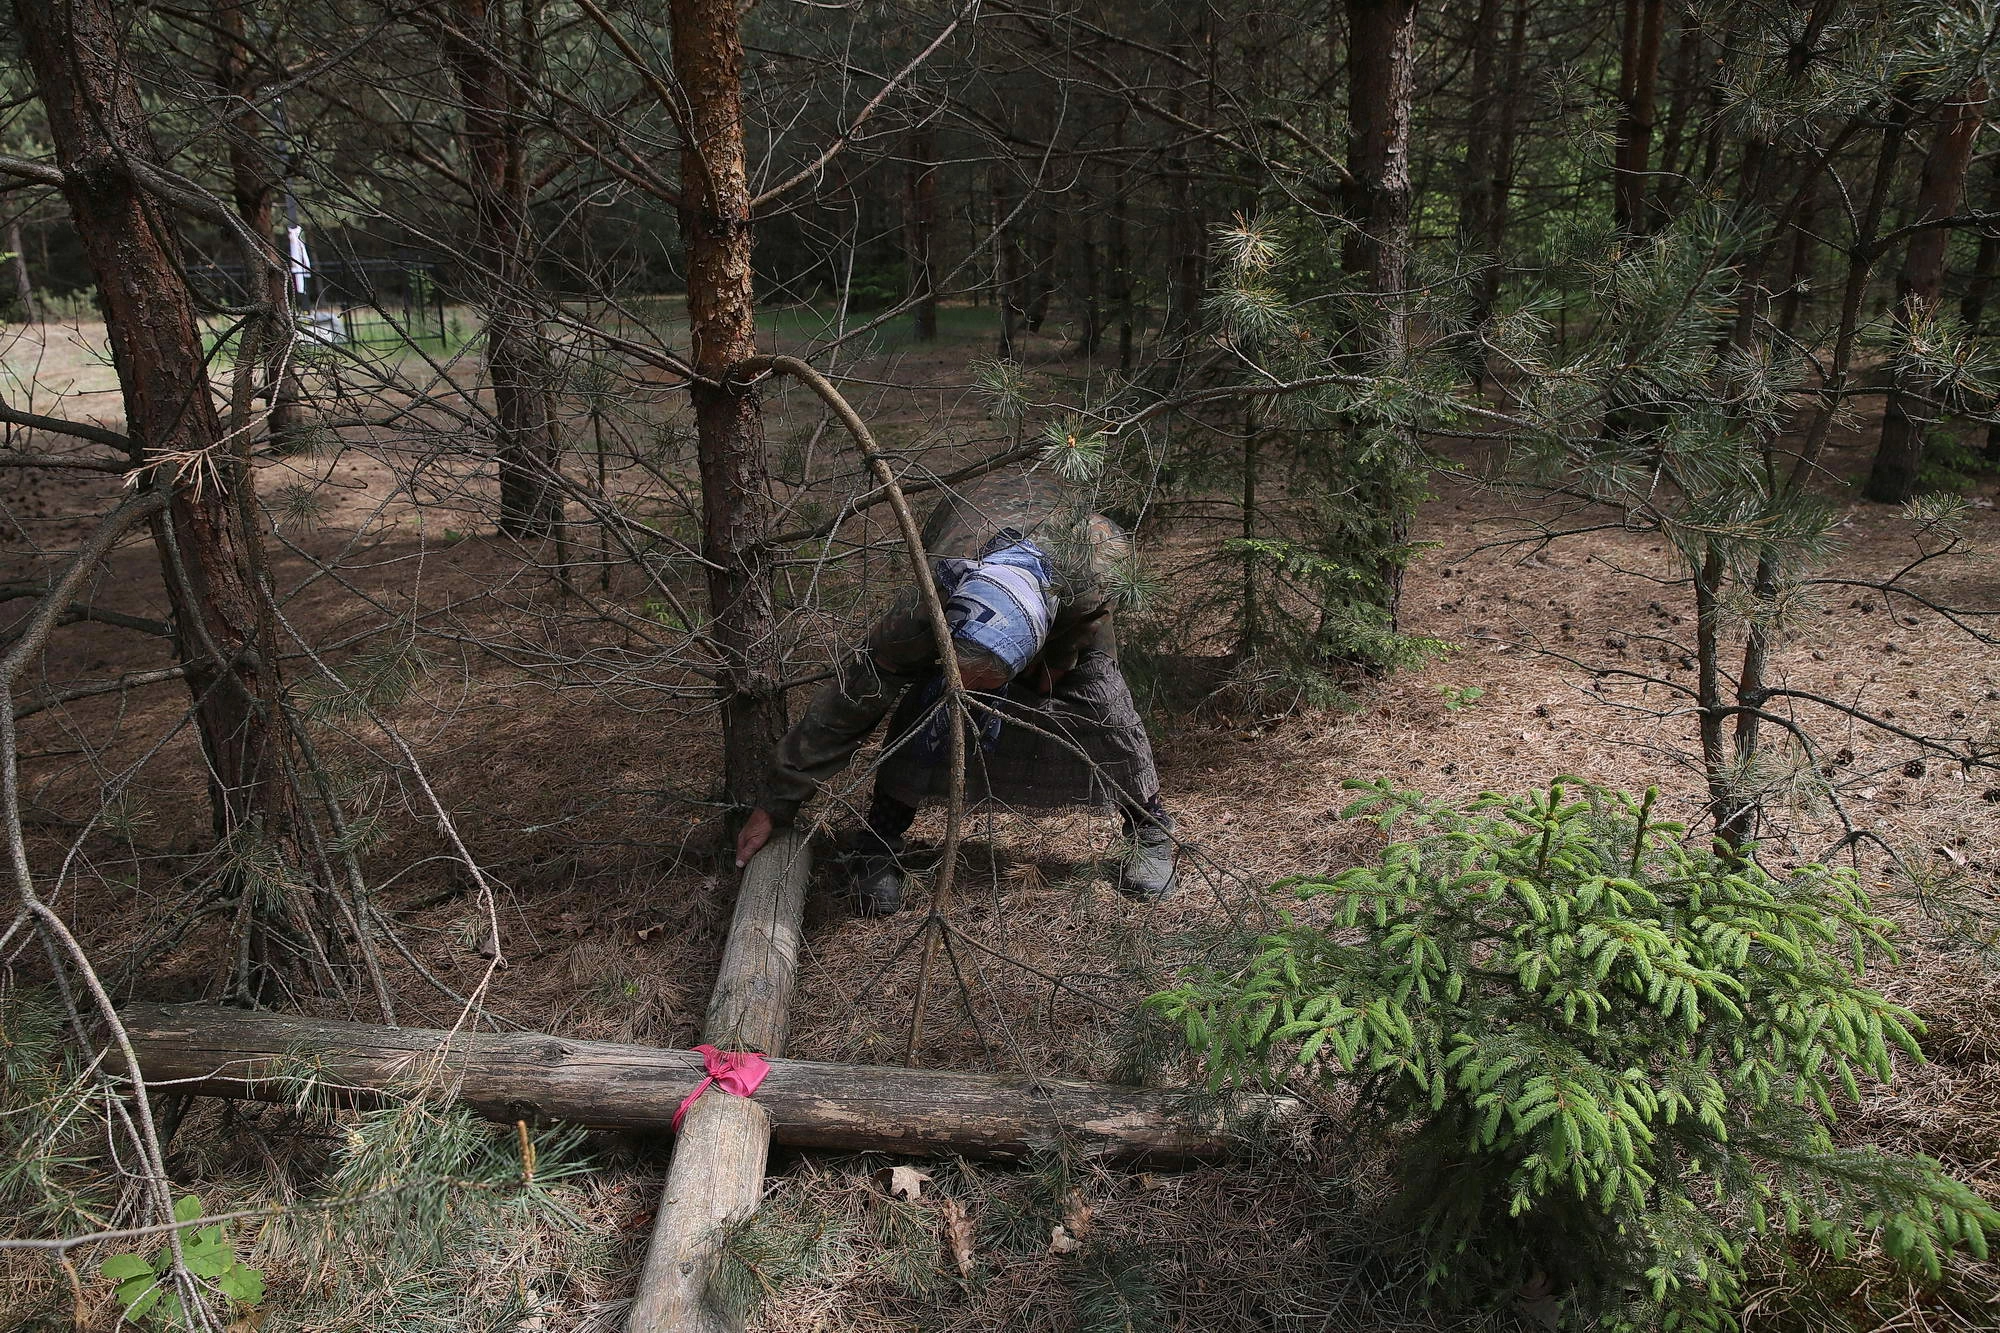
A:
(359, 302)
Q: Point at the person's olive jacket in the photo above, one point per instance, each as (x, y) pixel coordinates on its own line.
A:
(1089, 557)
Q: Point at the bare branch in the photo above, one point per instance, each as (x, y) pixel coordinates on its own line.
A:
(130, 681)
(82, 430)
(39, 173)
(874, 104)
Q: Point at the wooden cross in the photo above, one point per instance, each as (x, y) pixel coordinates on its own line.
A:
(717, 1173)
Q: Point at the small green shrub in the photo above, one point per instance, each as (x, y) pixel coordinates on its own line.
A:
(74, 307)
(1608, 1059)
(876, 287)
(790, 1243)
(1329, 606)
(145, 1286)
(412, 1217)
(1458, 698)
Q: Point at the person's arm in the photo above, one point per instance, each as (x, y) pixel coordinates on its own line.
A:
(821, 744)
(867, 680)
(1067, 648)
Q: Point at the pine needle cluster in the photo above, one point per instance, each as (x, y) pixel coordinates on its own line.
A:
(1612, 1059)
(411, 1215)
(52, 1172)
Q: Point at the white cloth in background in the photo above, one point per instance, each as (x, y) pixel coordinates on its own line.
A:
(295, 238)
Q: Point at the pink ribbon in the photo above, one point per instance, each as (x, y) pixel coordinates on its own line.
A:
(733, 1071)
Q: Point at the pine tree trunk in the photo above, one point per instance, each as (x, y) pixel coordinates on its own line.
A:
(1090, 274)
(1475, 191)
(1685, 85)
(1120, 244)
(1042, 281)
(1187, 228)
(1972, 309)
(1985, 262)
(1860, 267)
(1250, 629)
(729, 421)
(492, 132)
(208, 538)
(920, 229)
(848, 1108)
(1381, 67)
(1752, 293)
(1900, 455)
(1637, 79)
(24, 286)
(1381, 70)
(1475, 183)
(1006, 257)
(253, 186)
(1500, 178)
(1185, 232)
(1798, 269)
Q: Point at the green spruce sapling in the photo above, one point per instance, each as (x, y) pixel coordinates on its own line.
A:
(1609, 1058)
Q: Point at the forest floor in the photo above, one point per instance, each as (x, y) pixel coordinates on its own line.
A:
(577, 775)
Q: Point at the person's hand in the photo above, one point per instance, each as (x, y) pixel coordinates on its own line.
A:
(1048, 677)
(756, 832)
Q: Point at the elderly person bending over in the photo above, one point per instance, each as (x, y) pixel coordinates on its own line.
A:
(1028, 577)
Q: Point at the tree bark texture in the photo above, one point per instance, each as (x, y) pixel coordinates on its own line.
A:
(1900, 455)
(1799, 266)
(1187, 223)
(1041, 281)
(1687, 82)
(1120, 259)
(207, 537)
(1381, 70)
(1986, 260)
(1006, 256)
(253, 185)
(531, 1076)
(729, 422)
(1499, 183)
(1381, 85)
(97, 125)
(1638, 80)
(479, 43)
(1089, 286)
(1861, 252)
(1475, 194)
(1972, 308)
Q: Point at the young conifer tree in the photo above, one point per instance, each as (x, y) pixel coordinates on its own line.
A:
(1606, 1059)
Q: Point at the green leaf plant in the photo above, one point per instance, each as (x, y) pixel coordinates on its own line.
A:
(1607, 1060)
(146, 1286)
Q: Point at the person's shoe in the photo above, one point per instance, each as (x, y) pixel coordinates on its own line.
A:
(1149, 874)
(878, 885)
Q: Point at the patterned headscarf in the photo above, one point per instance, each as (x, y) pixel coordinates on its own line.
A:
(1002, 601)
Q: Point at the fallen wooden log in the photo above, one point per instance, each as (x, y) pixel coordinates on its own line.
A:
(529, 1075)
(717, 1174)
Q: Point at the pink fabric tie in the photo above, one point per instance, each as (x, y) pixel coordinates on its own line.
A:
(733, 1071)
